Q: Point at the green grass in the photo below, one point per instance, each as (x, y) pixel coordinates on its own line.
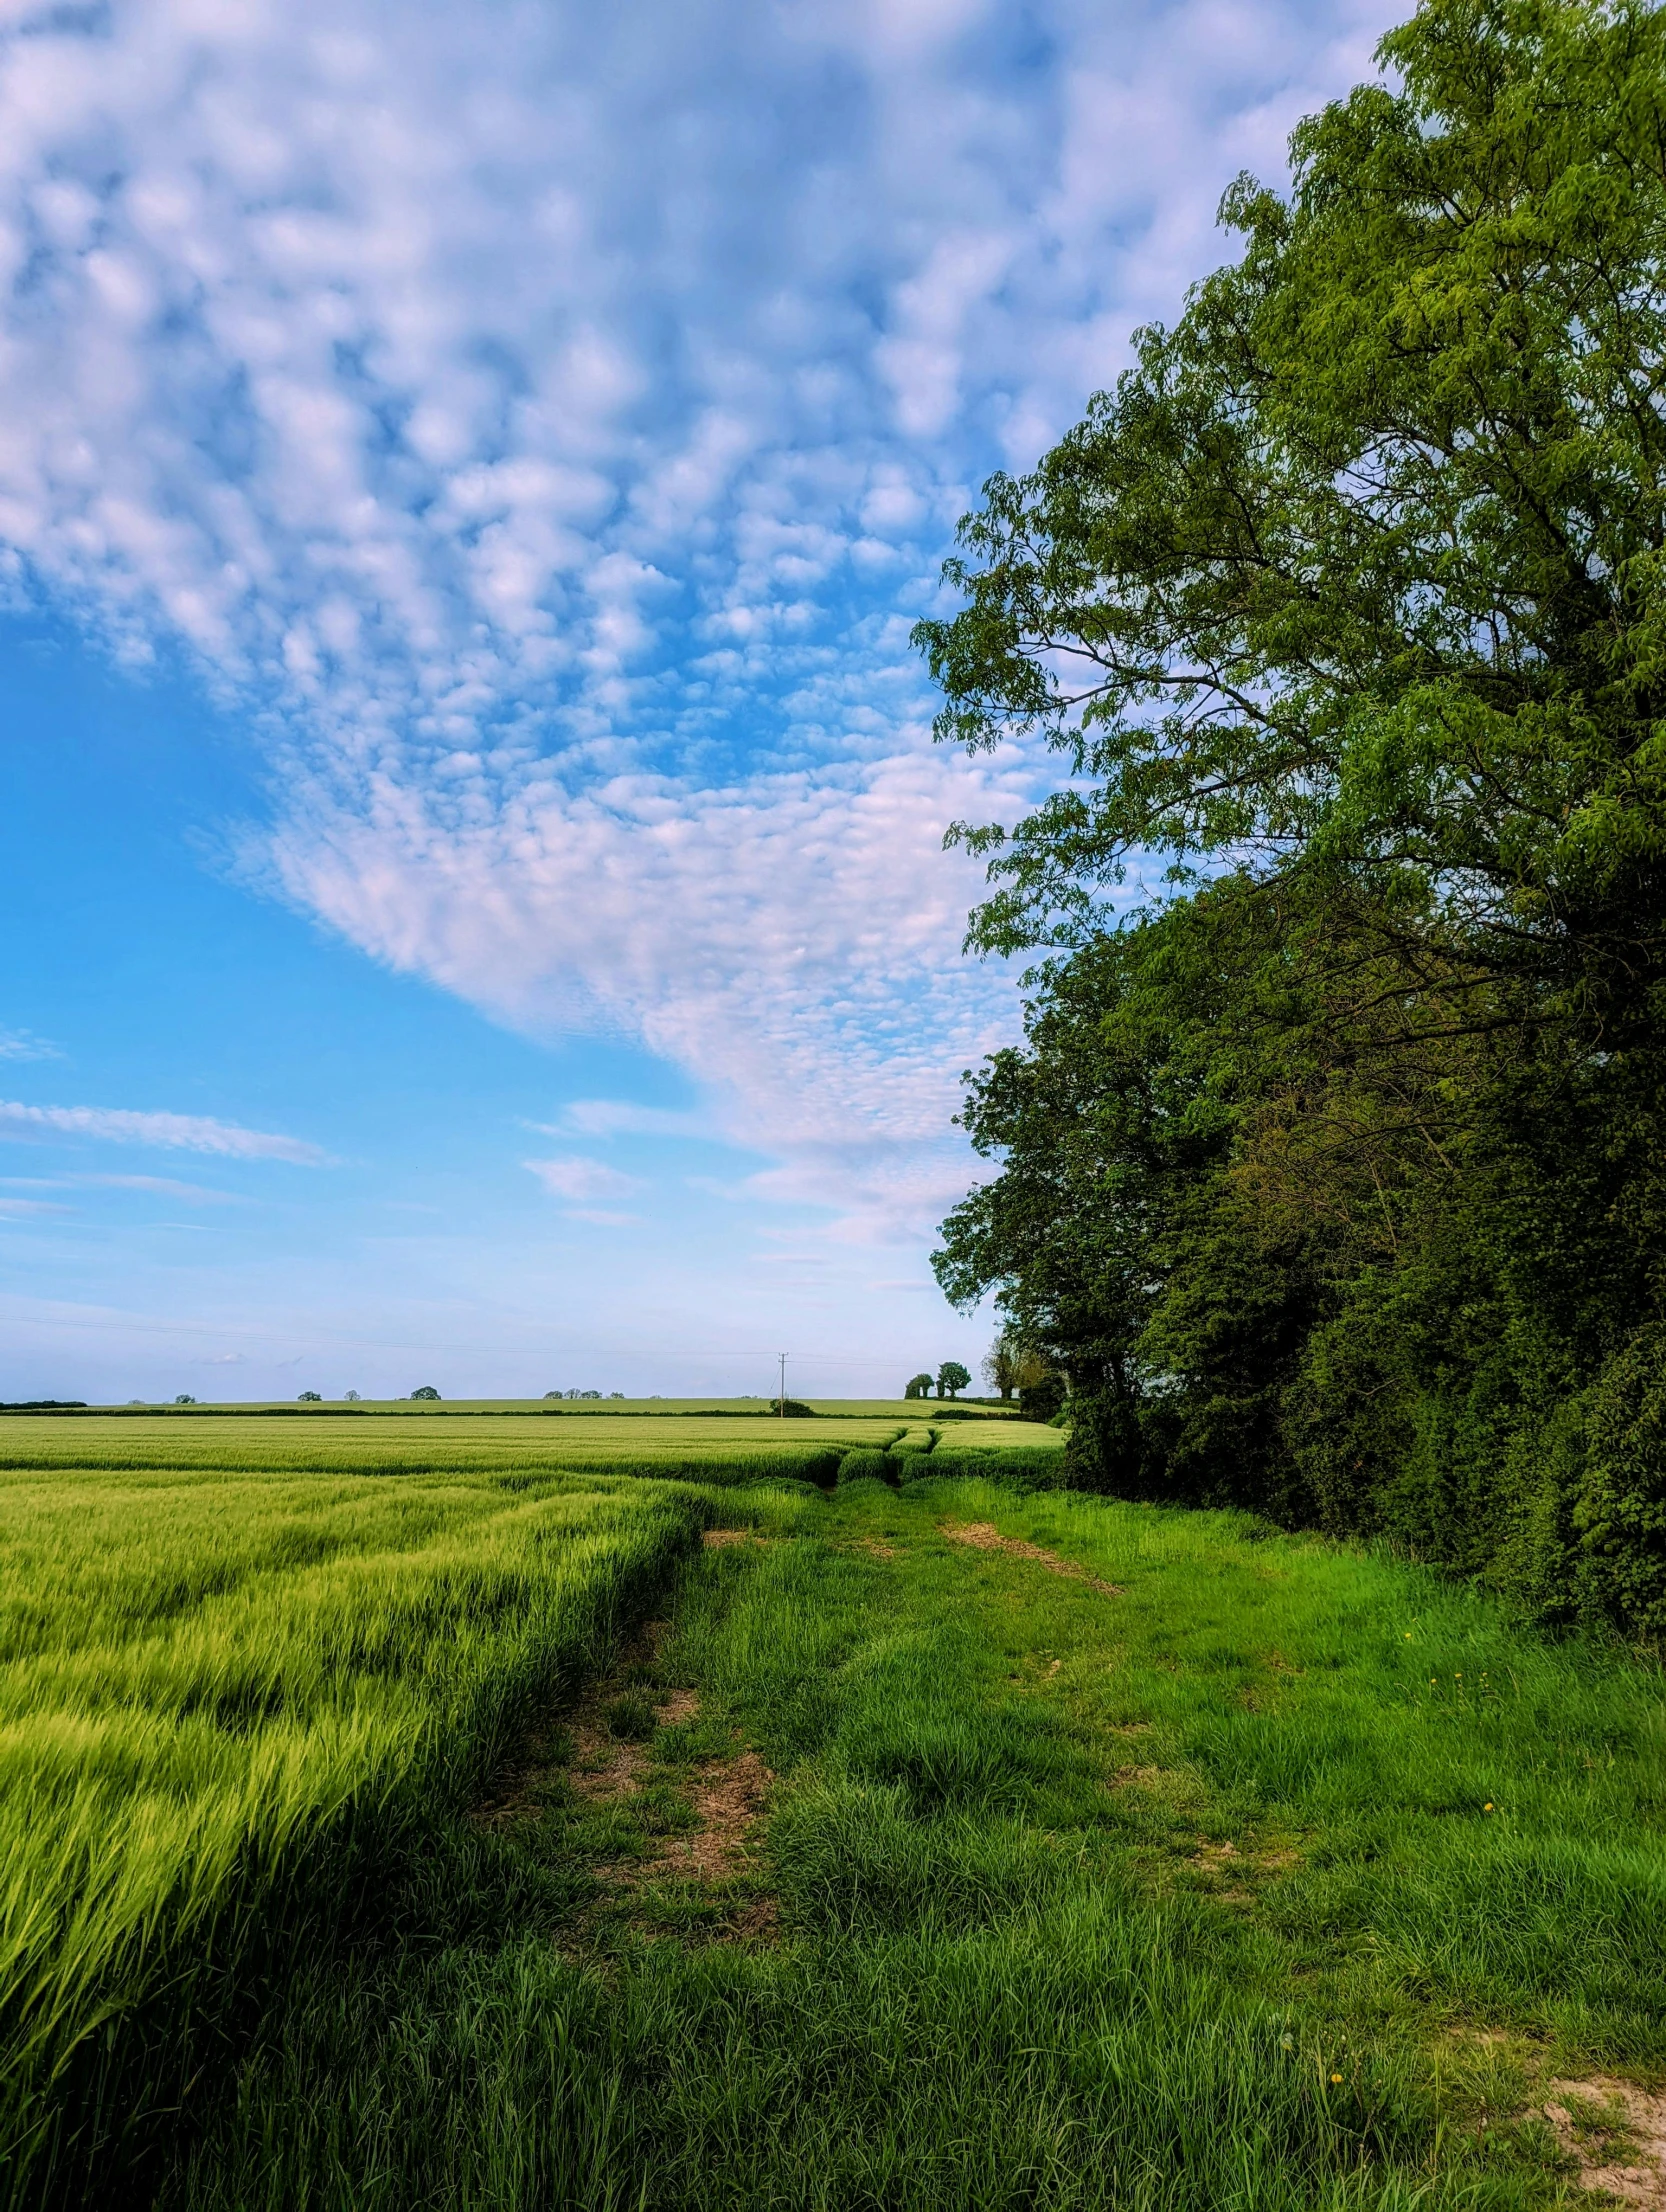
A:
(1273, 1878)
(227, 1702)
(1282, 1878)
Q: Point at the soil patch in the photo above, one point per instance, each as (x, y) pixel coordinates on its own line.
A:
(587, 1751)
(728, 1801)
(1617, 2134)
(984, 1536)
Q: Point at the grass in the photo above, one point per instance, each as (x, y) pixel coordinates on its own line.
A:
(226, 1703)
(943, 1847)
(1271, 1876)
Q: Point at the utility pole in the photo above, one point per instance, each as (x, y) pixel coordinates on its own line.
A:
(782, 1406)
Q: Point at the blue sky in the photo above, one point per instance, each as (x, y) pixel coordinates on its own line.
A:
(474, 907)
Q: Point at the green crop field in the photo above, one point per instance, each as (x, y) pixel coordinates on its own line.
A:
(713, 1445)
(430, 1409)
(479, 1837)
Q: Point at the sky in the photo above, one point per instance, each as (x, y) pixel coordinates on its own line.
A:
(473, 906)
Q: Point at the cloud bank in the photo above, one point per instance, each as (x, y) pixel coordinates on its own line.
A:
(546, 422)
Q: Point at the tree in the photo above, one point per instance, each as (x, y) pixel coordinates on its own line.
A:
(185, 1399)
(999, 1368)
(1013, 1364)
(919, 1386)
(548, 1394)
(1333, 1169)
(951, 1377)
(427, 1391)
(351, 1397)
(310, 1398)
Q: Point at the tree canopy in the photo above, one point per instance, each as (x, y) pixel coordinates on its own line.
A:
(1332, 1167)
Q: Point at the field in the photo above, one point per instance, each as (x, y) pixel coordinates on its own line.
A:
(486, 1839)
(710, 1443)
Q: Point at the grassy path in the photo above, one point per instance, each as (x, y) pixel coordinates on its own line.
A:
(946, 1848)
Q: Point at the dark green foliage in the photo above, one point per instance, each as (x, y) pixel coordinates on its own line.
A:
(1042, 1400)
(1619, 1509)
(1335, 1173)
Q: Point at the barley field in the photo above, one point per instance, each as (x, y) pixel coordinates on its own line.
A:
(223, 1695)
(710, 1444)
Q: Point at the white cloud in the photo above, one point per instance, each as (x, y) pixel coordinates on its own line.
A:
(621, 1117)
(550, 436)
(179, 1132)
(21, 1044)
(164, 1186)
(581, 1179)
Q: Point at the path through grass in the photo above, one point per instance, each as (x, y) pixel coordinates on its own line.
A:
(1111, 1858)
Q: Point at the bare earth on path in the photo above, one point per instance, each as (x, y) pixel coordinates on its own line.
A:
(1617, 2133)
(984, 1536)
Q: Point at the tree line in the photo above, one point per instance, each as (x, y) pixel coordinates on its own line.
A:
(1332, 1168)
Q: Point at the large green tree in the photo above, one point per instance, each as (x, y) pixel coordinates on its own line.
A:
(1333, 1161)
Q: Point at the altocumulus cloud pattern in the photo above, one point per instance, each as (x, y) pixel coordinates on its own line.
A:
(547, 421)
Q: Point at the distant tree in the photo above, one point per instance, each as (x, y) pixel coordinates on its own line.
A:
(616, 1393)
(589, 1393)
(351, 1396)
(554, 1394)
(1012, 1363)
(185, 1399)
(427, 1391)
(951, 1377)
(1000, 1366)
(310, 1398)
(919, 1386)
